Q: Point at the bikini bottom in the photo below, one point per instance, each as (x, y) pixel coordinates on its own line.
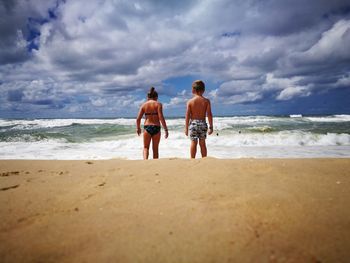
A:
(152, 129)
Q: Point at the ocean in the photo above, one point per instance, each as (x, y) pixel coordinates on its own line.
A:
(293, 136)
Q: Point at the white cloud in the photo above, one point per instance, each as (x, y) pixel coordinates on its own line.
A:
(343, 82)
(275, 83)
(98, 102)
(179, 100)
(332, 46)
(235, 87)
(74, 108)
(243, 98)
(243, 91)
(240, 97)
(292, 92)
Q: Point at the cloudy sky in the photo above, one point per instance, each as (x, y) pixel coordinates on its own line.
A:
(98, 58)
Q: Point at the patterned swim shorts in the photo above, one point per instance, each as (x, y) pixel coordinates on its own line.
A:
(198, 129)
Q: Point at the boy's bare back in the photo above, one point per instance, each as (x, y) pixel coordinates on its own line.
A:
(198, 107)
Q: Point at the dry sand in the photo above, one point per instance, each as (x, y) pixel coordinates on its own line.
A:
(174, 210)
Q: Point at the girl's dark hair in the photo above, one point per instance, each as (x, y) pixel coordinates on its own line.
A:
(152, 94)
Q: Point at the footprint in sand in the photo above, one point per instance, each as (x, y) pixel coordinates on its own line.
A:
(9, 173)
(89, 196)
(9, 187)
(89, 162)
(28, 219)
(102, 184)
(22, 219)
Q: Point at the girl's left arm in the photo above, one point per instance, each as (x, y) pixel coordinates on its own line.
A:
(162, 120)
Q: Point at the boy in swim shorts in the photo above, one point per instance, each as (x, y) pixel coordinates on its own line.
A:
(198, 108)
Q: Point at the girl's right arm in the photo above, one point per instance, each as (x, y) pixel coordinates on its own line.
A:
(138, 120)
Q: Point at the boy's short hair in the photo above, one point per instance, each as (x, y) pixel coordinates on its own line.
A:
(198, 85)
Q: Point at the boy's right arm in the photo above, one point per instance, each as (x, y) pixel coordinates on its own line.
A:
(187, 119)
(210, 118)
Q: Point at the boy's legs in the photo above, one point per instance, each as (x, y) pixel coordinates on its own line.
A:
(155, 145)
(193, 148)
(203, 147)
(146, 142)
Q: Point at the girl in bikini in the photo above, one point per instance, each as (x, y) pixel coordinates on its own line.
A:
(153, 111)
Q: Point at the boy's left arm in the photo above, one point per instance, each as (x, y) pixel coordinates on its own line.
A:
(210, 118)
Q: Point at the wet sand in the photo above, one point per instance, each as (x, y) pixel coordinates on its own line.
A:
(175, 210)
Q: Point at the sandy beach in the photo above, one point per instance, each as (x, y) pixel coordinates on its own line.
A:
(175, 210)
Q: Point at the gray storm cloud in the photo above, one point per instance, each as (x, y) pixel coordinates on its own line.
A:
(51, 51)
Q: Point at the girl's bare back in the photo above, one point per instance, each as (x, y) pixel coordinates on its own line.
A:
(151, 111)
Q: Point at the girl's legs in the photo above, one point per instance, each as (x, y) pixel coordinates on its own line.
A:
(155, 145)
(193, 148)
(146, 142)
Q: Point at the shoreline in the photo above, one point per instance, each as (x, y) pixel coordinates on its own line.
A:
(175, 210)
(179, 158)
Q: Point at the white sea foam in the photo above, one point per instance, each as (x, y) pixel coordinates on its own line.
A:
(285, 138)
(234, 137)
(233, 145)
(220, 123)
(51, 123)
(333, 118)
